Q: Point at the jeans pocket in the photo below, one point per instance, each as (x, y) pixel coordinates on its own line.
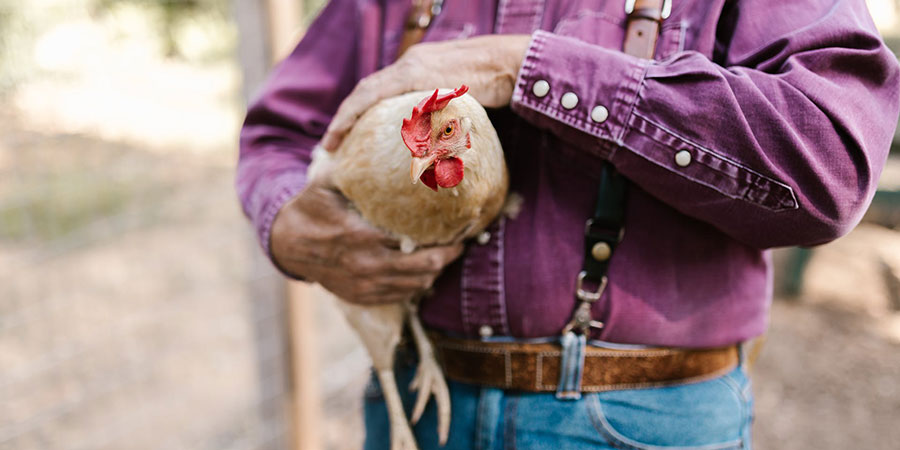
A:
(708, 415)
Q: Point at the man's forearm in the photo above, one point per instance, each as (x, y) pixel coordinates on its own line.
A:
(774, 145)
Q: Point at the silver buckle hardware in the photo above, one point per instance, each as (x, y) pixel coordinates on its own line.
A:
(588, 296)
(581, 319)
(666, 9)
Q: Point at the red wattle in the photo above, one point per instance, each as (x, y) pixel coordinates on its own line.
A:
(428, 179)
(448, 172)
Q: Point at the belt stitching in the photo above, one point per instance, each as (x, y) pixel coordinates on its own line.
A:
(508, 363)
(539, 383)
(593, 353)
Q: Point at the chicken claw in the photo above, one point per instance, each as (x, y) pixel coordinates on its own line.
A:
(429, 379)
(401, 435)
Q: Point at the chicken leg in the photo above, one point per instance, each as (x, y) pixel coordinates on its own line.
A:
(429, 378)
(379, 327)
(401, 435)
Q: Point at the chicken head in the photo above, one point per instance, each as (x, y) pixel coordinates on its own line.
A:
(437, 140)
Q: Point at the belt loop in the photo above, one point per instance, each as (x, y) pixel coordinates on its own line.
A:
(571, 366)
(490, 401)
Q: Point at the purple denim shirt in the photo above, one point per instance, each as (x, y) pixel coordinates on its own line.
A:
(759, 124)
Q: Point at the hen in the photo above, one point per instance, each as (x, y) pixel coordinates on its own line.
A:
(456, 155)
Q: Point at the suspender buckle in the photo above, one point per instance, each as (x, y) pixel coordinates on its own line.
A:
(587, 295)
(581, 319)
(664, 14)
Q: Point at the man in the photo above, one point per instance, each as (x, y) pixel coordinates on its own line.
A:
(757, 124)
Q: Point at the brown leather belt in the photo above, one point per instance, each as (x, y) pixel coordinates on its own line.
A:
(535, 367)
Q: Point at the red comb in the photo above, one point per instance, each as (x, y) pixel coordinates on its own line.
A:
(437, 103)
(417, 128)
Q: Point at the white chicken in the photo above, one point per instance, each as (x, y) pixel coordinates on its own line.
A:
(457, 155)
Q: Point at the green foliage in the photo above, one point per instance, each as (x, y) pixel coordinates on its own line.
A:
(16, 33)
(171, 15)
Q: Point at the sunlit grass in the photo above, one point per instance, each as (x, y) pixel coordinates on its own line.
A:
(51, 208)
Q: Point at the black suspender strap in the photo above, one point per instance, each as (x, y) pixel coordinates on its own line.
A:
(605, 229)
(602, 234)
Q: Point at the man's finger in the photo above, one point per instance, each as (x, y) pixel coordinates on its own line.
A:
(369, 91)
(410, 284)
(380, 299)
(359, 100)
(332, 140)
(360, 231)
(426, 260)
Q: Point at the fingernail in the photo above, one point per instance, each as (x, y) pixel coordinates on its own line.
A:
(326, 142)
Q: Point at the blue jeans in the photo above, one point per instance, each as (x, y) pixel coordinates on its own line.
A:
(709, 415)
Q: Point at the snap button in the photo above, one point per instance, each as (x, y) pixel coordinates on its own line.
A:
(483, 238)
(485, 331)
(683, 158)
(569, 100)
(540, 88)
(601, 251)
(599, 114)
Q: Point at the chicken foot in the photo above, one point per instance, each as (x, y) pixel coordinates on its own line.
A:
(429, 378)
(379, 328)
(401, 434)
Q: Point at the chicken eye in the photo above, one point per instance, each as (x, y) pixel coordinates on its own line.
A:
(449, 130)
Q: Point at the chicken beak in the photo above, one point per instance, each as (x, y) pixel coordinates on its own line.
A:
(418, 166)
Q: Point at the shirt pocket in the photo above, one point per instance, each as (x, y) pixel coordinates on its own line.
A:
(449, 30)
(440, 30)
(608, 31)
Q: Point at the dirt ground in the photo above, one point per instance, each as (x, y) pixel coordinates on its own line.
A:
(130, 329)
(829, 374)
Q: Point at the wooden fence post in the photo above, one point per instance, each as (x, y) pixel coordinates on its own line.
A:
(269, 30)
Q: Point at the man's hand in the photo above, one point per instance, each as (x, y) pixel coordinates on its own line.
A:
(487, 64)
(317, 237)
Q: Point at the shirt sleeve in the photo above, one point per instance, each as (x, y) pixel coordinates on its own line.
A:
(292, 112)
(780, 141)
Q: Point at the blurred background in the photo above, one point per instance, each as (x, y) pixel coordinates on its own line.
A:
(136, 311)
